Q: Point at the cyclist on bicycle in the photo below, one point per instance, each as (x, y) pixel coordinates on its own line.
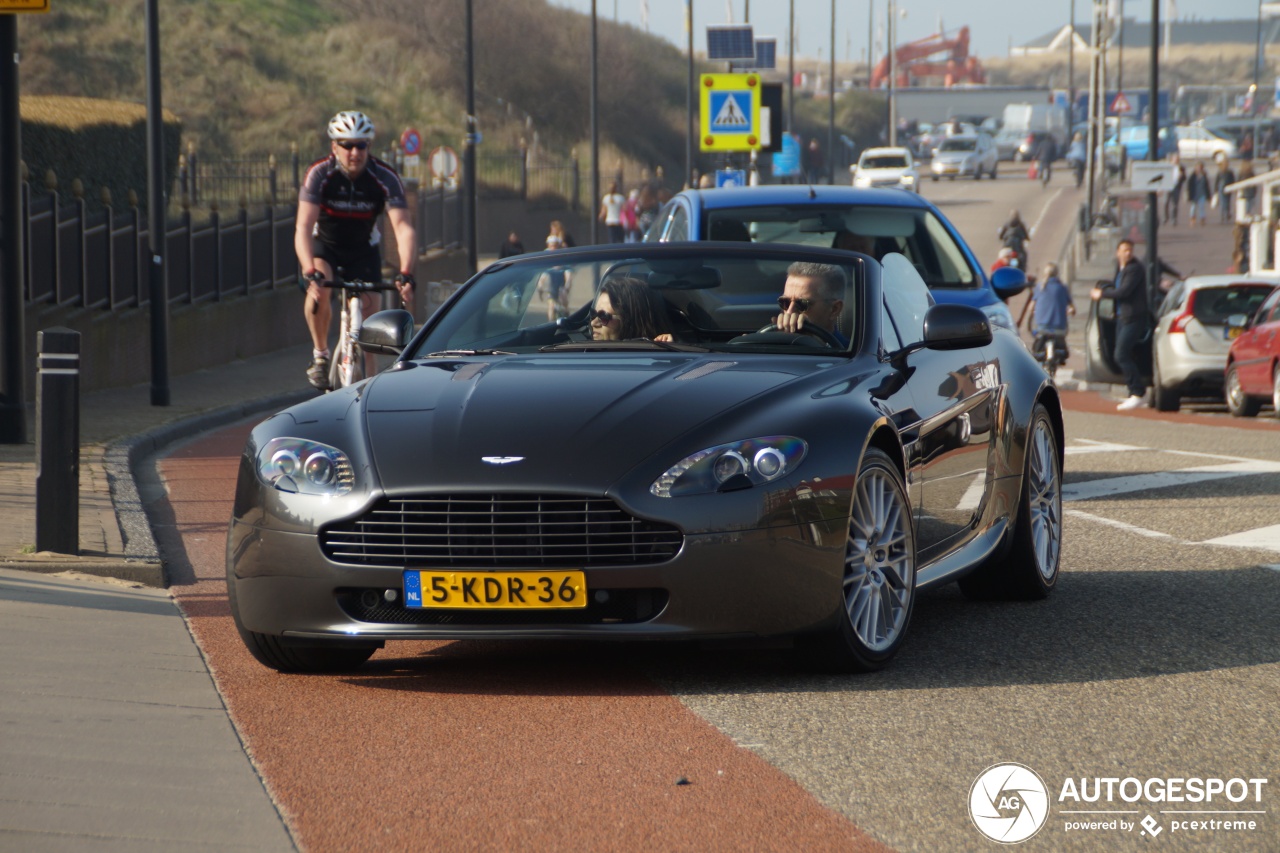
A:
(338, 208)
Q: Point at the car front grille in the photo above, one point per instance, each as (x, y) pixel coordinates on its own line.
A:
(499, 531)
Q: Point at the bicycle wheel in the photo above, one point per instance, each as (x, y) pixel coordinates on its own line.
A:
(347, 366)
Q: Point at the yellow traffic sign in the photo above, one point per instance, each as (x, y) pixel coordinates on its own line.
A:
(730, 106)
(24, 6)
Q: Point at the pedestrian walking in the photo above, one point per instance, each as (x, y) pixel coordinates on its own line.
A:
(511, 246)
(611, 213)
(1133, 321)
(1198, 195)
(631, 217)
(1224, 177)
(1248, 193)
(1174, 196)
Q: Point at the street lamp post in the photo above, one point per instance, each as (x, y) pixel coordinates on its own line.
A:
(689, 94)
(595, 136)
(156, 217)
(831, 106)
(469, 152)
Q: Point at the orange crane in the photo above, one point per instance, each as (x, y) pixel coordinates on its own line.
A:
(914, 61)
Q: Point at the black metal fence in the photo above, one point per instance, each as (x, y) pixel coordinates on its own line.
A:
(77, 258)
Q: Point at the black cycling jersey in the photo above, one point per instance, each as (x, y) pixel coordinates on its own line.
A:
(350, 209)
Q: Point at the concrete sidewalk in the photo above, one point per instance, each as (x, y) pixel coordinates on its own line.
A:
(115, 736)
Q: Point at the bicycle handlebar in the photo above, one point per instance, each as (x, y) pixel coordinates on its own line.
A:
(356, 284)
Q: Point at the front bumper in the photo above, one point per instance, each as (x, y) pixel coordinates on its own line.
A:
(761, 582)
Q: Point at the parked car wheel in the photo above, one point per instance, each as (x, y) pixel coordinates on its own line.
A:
(1164, 399)
(1026, 567)
(269, 651)
(1240, 404)
(879, 573)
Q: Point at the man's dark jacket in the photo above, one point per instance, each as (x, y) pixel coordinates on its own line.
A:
(1131, 294)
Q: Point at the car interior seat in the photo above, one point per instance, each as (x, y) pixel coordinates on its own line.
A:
(730, 230)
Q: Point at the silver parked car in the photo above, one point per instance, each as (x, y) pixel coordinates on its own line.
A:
(1192, 335)
(961, 156)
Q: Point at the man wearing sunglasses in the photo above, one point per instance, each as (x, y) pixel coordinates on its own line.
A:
(339, 204)
(812, 296)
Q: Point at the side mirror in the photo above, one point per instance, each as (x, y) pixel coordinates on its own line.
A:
(1009, 282)
(386, 333)
(948, 327)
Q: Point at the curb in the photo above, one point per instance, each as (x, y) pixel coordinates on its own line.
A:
(125, 463)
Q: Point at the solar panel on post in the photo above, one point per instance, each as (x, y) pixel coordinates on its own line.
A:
(766, 53)
(731, 41)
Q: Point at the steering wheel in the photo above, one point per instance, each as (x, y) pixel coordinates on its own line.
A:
(807, 329)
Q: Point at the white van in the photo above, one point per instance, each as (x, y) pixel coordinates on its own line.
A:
(1028, 119)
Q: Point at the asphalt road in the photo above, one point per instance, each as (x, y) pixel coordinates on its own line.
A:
(1157, 658)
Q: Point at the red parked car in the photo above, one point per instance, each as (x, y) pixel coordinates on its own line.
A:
(1253, 362)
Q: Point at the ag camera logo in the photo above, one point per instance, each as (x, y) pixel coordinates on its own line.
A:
(1008, 803)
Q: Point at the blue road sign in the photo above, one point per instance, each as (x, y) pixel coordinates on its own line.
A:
(731, 112)
(731, 178)
(786, 163)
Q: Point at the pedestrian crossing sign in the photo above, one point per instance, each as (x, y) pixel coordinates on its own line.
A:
(730, 109)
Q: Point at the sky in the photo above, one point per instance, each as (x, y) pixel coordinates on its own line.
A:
(993, 24)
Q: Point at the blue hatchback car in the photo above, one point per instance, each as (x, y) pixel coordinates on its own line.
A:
(874, 221)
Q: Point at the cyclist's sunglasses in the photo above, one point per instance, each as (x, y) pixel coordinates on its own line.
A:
(358, 144)
(802, 305)
(604, 317)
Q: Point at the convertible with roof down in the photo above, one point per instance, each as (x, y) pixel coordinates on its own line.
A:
(670, 461)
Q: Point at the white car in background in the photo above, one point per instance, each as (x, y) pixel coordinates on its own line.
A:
(886, 167)
(965, 156)
(1199, 143)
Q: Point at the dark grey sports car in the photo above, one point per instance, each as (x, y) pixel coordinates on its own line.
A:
(680, 456)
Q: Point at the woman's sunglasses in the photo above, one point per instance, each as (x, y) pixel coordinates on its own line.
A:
(802, 305)
(348, 144)
(604, 317)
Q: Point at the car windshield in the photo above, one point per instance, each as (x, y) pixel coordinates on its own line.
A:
(647, 299)
(955, 144)
(885, 162)
(916, 233)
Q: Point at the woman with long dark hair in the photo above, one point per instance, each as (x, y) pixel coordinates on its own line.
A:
(628, 308)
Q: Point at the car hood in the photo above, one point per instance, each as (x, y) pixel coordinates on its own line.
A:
(579, 420)
(952, 156)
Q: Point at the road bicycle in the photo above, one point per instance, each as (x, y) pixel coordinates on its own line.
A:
(347, 365)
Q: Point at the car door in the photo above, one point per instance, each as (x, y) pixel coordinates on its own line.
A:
(950, 438)
(1258, 346)
(1100, 344)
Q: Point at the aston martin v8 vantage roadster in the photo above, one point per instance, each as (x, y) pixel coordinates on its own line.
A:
(718, 440)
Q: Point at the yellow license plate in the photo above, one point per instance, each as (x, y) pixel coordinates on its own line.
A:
(495, 590)
(1234, 332)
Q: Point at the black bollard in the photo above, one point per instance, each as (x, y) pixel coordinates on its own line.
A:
(58, 441)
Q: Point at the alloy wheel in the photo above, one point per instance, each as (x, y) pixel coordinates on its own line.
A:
(879, 575)
(1044, 503)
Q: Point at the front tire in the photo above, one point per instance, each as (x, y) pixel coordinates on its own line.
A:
(1027, 568)
(879, 586)
(1239, 404)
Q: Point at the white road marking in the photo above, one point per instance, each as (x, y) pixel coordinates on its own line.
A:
(1263, 538)
(1128, 528)
(1165, 479)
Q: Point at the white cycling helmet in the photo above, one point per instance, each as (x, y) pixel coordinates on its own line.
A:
(350, 124)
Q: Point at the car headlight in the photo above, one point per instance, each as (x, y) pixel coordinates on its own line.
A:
(305, 467)
(999, 315)
(741, 464)
(908, 180)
